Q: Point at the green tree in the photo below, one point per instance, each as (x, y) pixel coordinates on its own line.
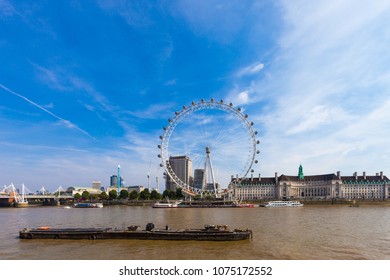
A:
(85, 195)
(124, 194)
(113, 194)
(133, 195)
(77, 196)
(179, 193)
(155, 195)
(103, 196)
(166, 193)
(171, 194)
(145, 194)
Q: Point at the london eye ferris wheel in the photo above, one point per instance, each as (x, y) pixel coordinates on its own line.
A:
(215, 139)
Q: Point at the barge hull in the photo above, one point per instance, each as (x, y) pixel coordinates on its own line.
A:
(201, 235)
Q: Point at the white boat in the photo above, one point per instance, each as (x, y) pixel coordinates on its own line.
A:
(167, 204)
(21, 204)
(88, 205)
(282, 204)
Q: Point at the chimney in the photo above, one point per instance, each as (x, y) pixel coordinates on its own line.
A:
(381, 175)
(259, 177)
(377, 174)
(364, 175)
(276, 177)
(338, 175)
(252, 177)
(355, 174)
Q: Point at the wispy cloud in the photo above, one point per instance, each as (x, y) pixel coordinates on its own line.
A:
(52, 78)
(136, 13)
(6, 9)
(41, 147)
(154, 111)
(250, 70)
(63, 80)
(242, 95)
(329, 84)
(65, 122)
(218, 20)
(170, 82)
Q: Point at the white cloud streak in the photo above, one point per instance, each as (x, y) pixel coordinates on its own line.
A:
(6, 9)
(250, 70)
(65, 122)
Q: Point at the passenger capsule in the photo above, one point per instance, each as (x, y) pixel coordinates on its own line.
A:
(159, 155)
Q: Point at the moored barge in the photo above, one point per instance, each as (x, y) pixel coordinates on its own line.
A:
(208, 233)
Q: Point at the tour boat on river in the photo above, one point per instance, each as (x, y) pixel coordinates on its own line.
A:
(282, 204)
(208, 233)
(167, 204)
(88, 205)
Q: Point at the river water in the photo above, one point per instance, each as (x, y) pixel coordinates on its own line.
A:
(312, 232)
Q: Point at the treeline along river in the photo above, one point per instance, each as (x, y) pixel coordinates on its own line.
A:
(311, 232)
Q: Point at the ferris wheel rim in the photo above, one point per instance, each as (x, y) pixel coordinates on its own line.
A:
(198, 106)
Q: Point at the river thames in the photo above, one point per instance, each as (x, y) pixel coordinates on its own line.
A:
(312, 232)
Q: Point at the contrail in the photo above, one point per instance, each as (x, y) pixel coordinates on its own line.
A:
(66, 122)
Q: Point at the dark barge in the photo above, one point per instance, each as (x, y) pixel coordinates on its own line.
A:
(208, 233)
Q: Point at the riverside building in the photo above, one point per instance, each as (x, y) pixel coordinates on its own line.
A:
(323, 187)
(182, 167)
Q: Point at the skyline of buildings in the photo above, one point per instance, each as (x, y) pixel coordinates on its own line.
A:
(322, 186)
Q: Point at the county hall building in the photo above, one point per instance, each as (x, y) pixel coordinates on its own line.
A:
(322, 187)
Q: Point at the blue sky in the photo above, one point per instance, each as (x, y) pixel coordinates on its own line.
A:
(88, 85)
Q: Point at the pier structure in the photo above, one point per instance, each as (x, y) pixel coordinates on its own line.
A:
(48, 200)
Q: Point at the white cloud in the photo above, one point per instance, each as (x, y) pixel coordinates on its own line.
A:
(315, 117)
(136, 13)
(241, 96)
(154, 111)
(170, 82)
(6, 9)
(329, 84)
(251, 69)
(63, 121)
